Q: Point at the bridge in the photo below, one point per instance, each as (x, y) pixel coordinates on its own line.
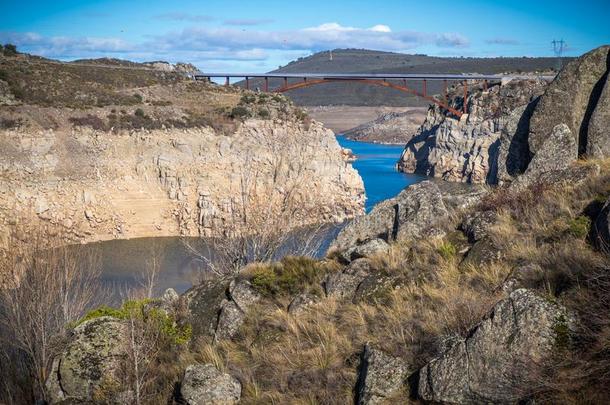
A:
(292, 81)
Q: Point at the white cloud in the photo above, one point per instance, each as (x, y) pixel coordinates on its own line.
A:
(226, 43)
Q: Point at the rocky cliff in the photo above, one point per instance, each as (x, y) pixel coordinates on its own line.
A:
(170, 158)
(474, 148)
(509, 124)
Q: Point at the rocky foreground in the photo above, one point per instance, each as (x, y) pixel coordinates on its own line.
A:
(144, 151)
(443, 294)
(508, 125)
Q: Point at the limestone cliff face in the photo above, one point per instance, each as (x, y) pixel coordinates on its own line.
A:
(102, 185)
(484, 146)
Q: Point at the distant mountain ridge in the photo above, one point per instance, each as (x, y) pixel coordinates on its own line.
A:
(369, 61)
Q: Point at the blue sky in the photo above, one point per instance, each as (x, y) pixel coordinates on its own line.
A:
(260, 35)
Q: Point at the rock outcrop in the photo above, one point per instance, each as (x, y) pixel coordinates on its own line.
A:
(381, 377)
(413, 213)
(499, 360)
(389, 128)
(576, 98)
(204, 384)
(488, 145)
(217, 308)
(88, 368)
(98, 185)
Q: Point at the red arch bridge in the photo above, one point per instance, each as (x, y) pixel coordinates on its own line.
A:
(401, 82)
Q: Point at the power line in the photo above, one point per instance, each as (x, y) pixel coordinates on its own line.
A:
(558, 48)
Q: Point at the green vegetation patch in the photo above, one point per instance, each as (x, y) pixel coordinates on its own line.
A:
(579, 227)
(290, 276)
(144, 310)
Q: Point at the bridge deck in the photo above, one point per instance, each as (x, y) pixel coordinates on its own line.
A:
(356, 76)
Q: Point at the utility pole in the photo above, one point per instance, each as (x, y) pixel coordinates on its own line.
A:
(558, 48)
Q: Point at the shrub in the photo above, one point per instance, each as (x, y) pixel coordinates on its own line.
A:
(144, 310)
(89, 120)
(288, 277)
(447, 250)
(3, 75)
(10, 50)
(139, 113)
(8, 123)
(247, 99)
(264, 113)
(240, 112)
(579, 227)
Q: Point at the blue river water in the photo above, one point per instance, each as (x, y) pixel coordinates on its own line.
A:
(376, 165)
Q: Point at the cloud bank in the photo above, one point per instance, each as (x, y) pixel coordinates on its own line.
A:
(232, 41)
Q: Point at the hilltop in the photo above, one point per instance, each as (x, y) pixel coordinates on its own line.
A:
(369, 61)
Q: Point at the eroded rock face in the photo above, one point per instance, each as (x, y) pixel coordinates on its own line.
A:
(169, 182)
(572, 99)
(88, 368)
(381, 377)
(413, 213)
(204, 384)
(489, 145)
(498, 361)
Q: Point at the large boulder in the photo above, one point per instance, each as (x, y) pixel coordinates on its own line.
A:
(204, 384)
(601, 228)
(413, 213)
(556, 154)
(88, 368)
(598, 135)
(381, 378)
(234, 309)
(343, 285)
(204, 303)
(572, 99)
(499, 360)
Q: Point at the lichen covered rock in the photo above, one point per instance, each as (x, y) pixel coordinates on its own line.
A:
(204, 384)
(499, 360)
(87, 370)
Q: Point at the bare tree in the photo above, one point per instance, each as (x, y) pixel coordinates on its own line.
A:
(142, 347)
(47, 287)
(150, 273)
(270, 215)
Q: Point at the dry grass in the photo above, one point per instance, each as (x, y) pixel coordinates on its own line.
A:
(313, 357)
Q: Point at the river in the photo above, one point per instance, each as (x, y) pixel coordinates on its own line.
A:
(124, 261)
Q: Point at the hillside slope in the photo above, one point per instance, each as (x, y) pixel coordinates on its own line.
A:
(367, 61)
(123, 151)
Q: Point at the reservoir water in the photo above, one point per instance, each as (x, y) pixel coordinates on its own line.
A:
(376, 165)
(124, 261)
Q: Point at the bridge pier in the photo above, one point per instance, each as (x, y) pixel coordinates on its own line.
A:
(266, 84)
(247, 83)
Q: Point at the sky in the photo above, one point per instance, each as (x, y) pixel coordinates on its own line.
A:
(258, 36)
